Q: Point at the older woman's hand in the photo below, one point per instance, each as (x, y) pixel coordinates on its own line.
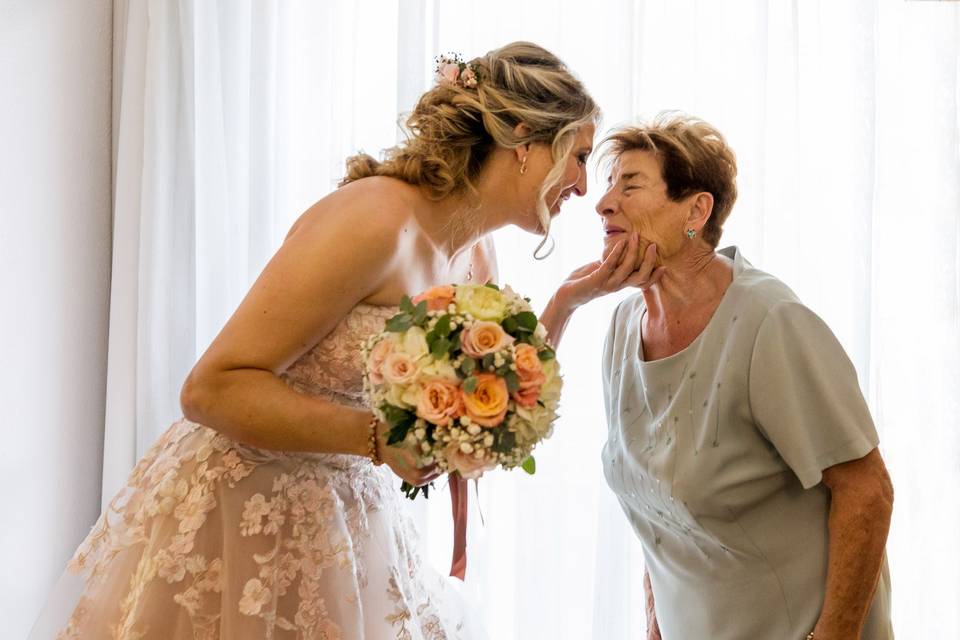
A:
(623, 267)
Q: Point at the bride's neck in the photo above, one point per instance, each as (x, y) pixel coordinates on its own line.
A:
(455, 223)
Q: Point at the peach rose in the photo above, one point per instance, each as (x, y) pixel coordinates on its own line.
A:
(438, 298)
(439, 402)
(527, 361)
(482, 338)
(398, 368)
(450, 72)
(529, 392)
(487, 405)
(530, 372)
(376, 358)
(466, 464)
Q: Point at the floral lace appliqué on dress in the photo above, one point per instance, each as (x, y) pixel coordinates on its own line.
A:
(214, 539)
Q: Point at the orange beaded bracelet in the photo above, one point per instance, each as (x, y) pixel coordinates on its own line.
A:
(372, 450)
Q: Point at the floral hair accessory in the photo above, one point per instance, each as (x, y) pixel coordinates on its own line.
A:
(451, 69)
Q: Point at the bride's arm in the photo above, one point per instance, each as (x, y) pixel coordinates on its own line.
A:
(337, 255)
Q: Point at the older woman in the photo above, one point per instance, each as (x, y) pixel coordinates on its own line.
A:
(740, 446)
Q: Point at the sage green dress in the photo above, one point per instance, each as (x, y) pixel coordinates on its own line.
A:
(715, 454)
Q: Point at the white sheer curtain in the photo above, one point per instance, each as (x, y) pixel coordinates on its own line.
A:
(233, 117)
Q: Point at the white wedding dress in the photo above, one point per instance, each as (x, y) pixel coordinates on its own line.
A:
(214, 539)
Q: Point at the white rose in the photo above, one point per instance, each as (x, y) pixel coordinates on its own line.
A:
(439, 369)
(540, 332)
(415, 343)
(403, 396)
(550, 391)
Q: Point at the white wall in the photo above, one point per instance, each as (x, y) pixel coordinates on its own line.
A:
(55, 177)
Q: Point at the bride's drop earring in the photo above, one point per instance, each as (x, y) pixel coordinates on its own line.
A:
(523, 165)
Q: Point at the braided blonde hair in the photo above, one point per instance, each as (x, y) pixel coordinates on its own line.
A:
(453, 128)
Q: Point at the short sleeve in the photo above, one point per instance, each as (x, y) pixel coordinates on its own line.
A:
(804, 394)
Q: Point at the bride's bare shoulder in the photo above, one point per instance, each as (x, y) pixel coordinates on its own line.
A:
(374, 209)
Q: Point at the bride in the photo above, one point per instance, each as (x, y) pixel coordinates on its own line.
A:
(264, 512)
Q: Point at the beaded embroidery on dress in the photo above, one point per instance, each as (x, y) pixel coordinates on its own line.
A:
(214, 539)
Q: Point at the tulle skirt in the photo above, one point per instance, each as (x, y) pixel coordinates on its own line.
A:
(214, 539)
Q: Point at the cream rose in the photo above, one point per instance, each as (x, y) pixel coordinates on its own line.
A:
(404, 396)
(415, 343)
(482, 302)
(399, 368)
(431, 368)
(550, 391)
(482, 338)
(439, 402)
(376, 358)
(487, 405)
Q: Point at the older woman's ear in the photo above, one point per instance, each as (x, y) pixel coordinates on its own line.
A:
(700, 211)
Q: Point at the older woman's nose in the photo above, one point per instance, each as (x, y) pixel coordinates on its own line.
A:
(605, 206)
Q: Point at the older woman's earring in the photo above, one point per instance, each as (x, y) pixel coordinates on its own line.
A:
(691, 234)
(523, 165)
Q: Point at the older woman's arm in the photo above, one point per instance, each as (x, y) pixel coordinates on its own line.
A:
(653, 628)
(860, 510)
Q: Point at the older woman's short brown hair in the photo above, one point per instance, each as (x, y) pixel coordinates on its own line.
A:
(694, 157)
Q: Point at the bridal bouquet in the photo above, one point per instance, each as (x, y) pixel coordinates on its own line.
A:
(464, 375)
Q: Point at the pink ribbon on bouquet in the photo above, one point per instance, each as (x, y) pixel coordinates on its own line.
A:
(458, 501)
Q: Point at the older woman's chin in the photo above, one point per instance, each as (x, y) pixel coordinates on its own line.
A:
(609, 242)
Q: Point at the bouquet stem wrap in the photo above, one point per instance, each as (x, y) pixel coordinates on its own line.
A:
(458, 500)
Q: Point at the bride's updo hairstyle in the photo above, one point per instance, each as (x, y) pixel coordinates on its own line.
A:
(458, 122)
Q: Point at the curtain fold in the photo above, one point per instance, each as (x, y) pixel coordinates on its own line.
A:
(232, 118)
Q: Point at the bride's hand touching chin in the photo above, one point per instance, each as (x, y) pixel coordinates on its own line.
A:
(623, 266)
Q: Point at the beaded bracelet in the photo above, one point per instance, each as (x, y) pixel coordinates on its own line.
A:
(372, 451)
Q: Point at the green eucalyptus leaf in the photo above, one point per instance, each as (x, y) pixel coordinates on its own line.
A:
(513, 381)
(399, 323)
(470, 384)
(442, 328)
(529, 465)
(440, 348)
(420, 313)
(527, 321)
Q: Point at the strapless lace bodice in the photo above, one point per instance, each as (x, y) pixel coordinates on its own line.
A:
(333, 369)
